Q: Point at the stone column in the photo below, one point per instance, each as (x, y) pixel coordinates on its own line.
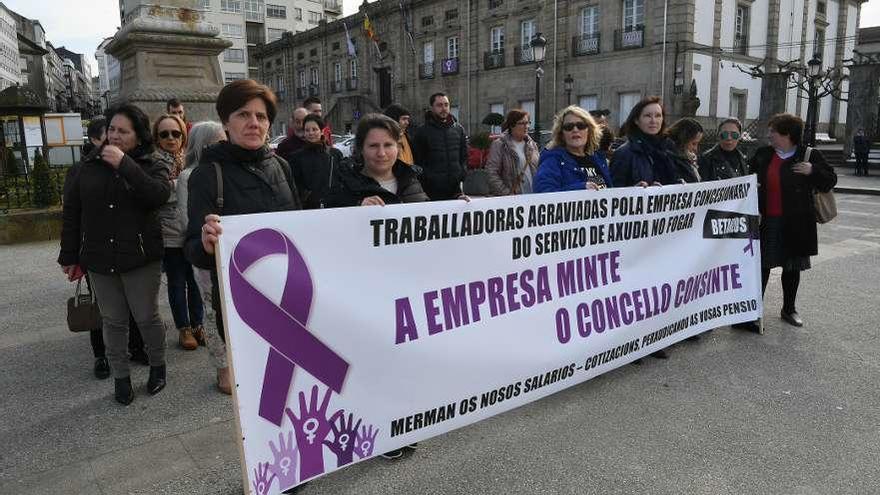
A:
(166, 52)
(774, 89)
(861, 108)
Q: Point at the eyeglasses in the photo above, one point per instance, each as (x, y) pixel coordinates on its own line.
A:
(571, 125)
(729, 135)
(525, 123)
(168, 134)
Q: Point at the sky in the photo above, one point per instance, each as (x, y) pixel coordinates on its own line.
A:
(80, 25)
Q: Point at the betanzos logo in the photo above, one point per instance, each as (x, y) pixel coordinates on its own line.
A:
(729, 225)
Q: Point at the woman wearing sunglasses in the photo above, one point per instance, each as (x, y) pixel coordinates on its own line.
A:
(169, 132)
(724, 160)
(571, 161)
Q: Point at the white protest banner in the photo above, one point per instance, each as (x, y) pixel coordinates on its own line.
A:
(356, 331)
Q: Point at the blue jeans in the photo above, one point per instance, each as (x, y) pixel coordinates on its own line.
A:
(183, 292)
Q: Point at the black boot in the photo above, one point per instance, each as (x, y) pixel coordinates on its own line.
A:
(157, 379)
(123, 394)
(102, 368)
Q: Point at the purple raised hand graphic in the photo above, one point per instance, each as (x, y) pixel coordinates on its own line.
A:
(262, 480)
(365, 441)
(343, 439)
(311, 428)
(286, 458)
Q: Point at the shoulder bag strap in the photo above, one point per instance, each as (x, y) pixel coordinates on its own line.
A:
(219, 173)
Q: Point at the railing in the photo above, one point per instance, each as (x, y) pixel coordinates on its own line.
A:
(741, 45)
(629, 38)
(523, 55)
(336, 86)
(351, 84)
(426, 70)
(18, 188)
(585, 44)
(449, 66)
(494, 4)
(493, 59)
(314, 90)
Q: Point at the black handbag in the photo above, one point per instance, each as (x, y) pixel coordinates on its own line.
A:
(83, 314)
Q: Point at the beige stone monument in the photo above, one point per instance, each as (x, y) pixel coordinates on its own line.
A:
(169, 51)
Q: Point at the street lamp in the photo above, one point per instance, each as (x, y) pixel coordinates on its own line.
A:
(569, 82)
(814, 73)
(539, 46)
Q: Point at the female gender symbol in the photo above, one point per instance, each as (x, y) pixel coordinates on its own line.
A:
(309, 428)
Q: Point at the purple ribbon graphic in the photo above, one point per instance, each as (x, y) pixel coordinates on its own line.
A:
(750, 247)
(282, 326)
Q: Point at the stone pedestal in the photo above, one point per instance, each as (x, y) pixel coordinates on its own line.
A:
(774, 90)
(166, 52)
(861, 109)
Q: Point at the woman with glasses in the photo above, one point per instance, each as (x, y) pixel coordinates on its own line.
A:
(725, 160)
(169, 132)
(513, 157)
(571, 161)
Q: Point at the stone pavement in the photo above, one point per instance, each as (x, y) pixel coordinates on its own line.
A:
(795, 411)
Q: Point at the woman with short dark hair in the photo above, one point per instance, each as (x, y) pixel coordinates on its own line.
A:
(724, 160)
(254, 179)
(316, 165)
(513, 157)
(786, 186)
(111, 229)
(642, 160)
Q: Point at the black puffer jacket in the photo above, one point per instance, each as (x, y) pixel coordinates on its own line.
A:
(717, 164)
(354, 186)
(110, 217)
(315, 168)
(440, 148)
(255, 181)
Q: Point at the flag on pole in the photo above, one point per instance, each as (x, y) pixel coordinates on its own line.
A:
(348, 41)
(368, 28)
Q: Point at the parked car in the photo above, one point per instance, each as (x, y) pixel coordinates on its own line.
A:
(275, 141)
(344, 144)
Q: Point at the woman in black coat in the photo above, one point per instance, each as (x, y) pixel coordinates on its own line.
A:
(643, 160)
(316, 166)
(786, 186)
(111, 229)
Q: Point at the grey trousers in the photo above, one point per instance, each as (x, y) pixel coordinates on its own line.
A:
(136, 291)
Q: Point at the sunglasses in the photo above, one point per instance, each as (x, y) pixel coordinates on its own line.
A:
(168, 134)
(729, 135)
(571, 125)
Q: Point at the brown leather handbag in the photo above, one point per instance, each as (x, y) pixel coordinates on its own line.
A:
(83, 314)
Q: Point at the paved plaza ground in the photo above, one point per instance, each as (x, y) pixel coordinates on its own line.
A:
(795, 411)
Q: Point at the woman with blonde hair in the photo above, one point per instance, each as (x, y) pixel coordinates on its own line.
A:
(169, 133)
(571, 161)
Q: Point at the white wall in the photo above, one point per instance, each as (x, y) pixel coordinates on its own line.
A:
(791, 18)
(703, 77)
(848, 51)
(757, 26)
(731, 77)
(704, 28)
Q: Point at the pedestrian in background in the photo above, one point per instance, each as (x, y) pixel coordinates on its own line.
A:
(203, 135)
(724, 160)
(571, 161)
(440, 148)
(513, 157)
(254, 179)
(169, 132)
(642, 160)
(403, 117)
(861, 148)
(111, 230)
(786, 184)
(312, 104)
(682, 145)
(294, 140)
(316, 166)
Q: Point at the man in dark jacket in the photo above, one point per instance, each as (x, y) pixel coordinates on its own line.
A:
(440, 148)
(294, 141)
(862, 148)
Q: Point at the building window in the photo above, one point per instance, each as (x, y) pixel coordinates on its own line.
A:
(428, 52)
(302, 79)
(253, 10)
(335, 45)
(588, 102)
(590, 21)
(233, 6)
(452, 47)
(499, 109)
(741, 29)
(820, 8)
(819, 47)
(233, 55)
(298, 13)
(300, 55)
(232, 30)
(274, 34)
(203, 4)
(337, 72)
(353, 68)
(494, 4)
(279, 83)
(428, 20)
(276, 11)
(228, 77)
(496, 39)
(528, 106)
(451, 14)
(314, 73)
(626, 103)
(633, 14)
(526, 32)
(314, 17)
(313, 52)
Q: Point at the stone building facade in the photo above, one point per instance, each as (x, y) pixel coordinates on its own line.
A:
(476, 52)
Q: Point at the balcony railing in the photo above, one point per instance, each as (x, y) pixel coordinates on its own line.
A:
(493, 59)
(426, 70)
(351, 84)
(336, 86)
(585, 44)
(625, 39)
(523, 55)
(300, 93)
(314, 90)
(494, 4)
(333, 6)
(449, 66)
(741, 45)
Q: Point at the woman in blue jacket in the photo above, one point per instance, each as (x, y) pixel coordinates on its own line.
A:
(571, 161)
